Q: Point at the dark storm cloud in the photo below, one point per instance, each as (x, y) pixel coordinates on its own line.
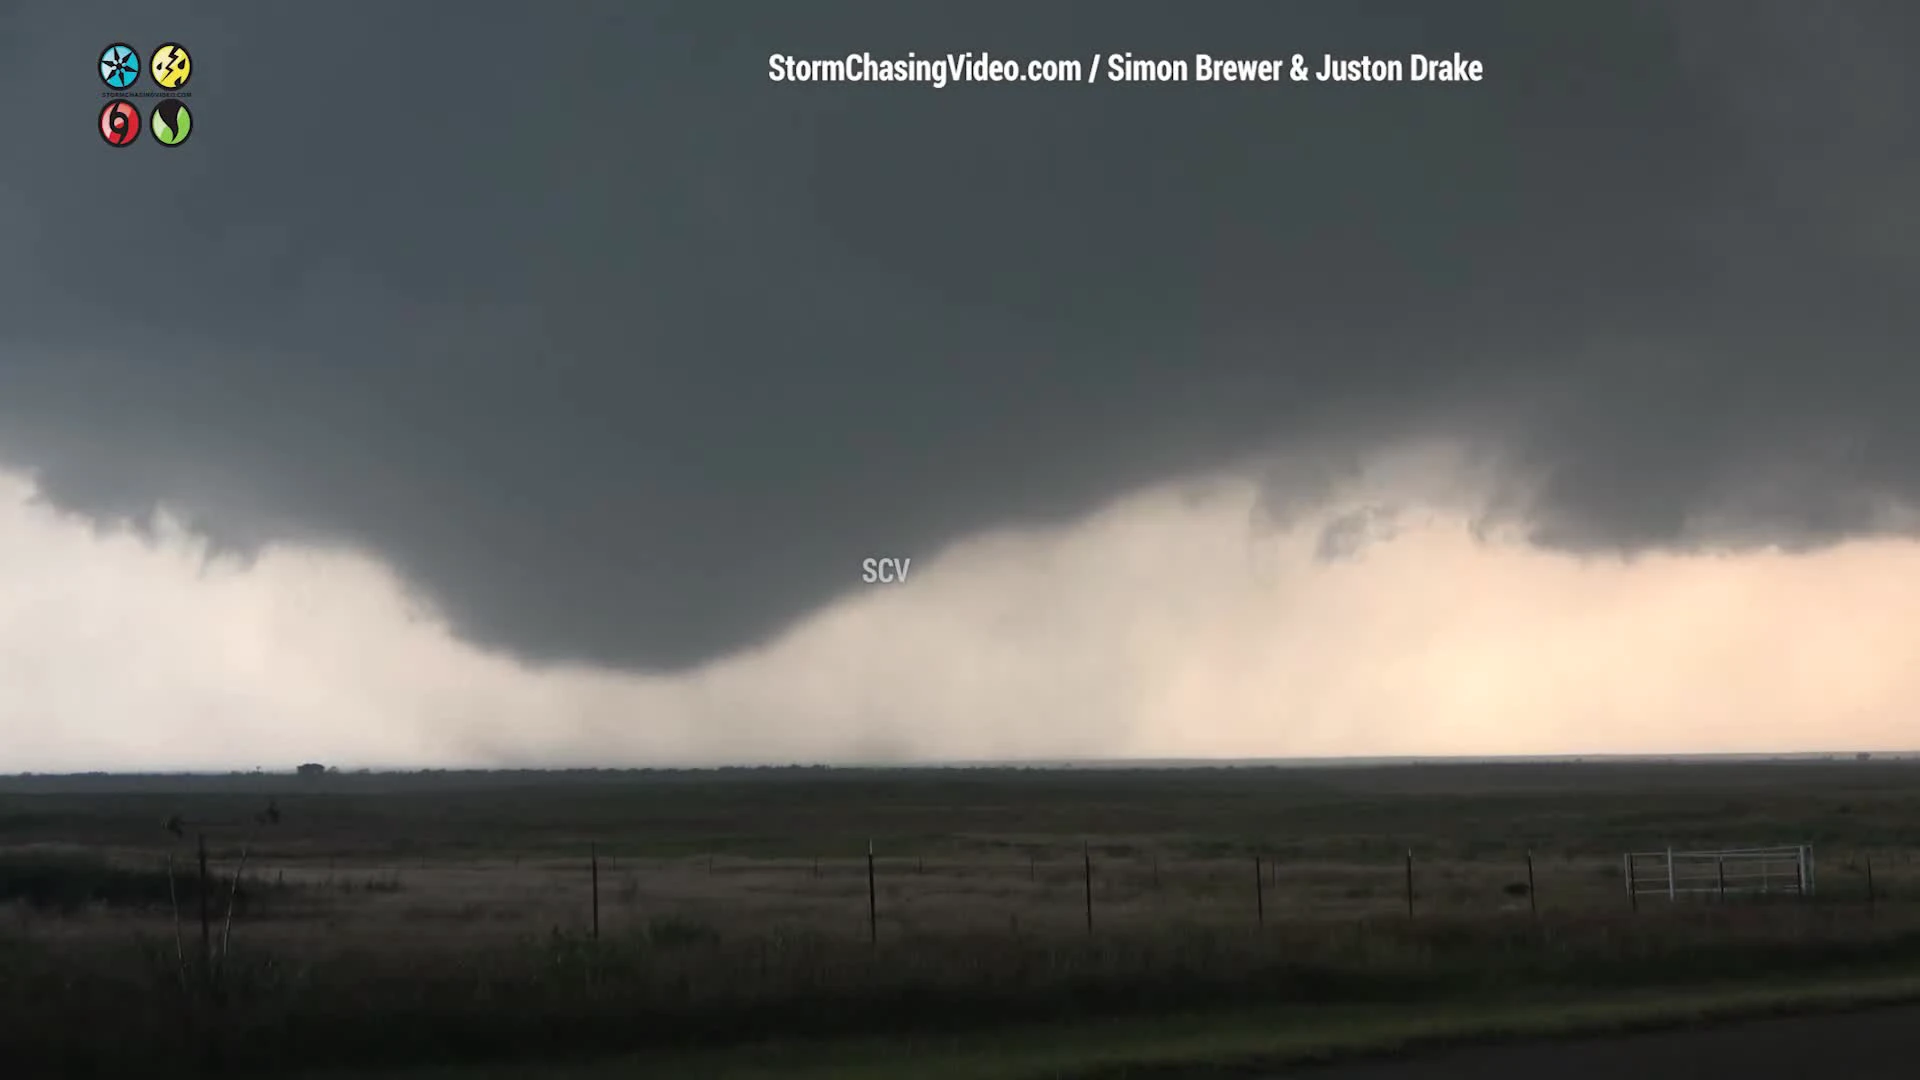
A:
(622, 353)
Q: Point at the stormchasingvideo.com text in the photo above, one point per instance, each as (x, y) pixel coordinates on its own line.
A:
(938, 72)
(1127, 67)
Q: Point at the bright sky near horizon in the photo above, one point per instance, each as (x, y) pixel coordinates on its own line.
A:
(1158, 627)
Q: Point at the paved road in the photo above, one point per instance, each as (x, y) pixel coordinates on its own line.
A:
(1883, 1044)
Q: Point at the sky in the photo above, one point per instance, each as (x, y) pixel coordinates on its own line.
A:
(529, 388)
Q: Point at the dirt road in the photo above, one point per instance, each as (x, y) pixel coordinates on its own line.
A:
(1882, 1044)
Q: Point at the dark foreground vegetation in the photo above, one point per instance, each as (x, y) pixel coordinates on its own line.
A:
(384, 923)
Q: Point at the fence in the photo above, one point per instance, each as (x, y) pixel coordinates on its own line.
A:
(1784, 870)
(1674, 874)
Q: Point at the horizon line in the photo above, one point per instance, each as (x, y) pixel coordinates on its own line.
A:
(1062, 764)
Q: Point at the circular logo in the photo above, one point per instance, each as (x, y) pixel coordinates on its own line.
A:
(172, 67)
(119, 66)
(119, 122)
(172, 123)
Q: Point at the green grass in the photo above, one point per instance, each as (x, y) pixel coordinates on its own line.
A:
(67, 882)
(1457, 811)
(1228, 1042)
(676, 990)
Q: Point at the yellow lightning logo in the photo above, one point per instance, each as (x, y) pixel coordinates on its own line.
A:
(172, 67)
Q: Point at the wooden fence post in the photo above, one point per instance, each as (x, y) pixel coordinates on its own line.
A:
(873, 902)
(1533, 895)
(1086, 858)
(1869, 884)
(593, 869)
(1259, 894)
(1409, 883)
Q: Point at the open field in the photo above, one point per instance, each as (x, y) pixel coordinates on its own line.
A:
(441, 918)
(1868, 1045)
(1862, 1029)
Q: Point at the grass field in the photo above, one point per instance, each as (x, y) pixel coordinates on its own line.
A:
(447, 918)
(1246, 1042)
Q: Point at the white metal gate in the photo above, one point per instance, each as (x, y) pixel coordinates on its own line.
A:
(1673, 874)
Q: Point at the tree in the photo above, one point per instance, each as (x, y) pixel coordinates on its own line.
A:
(311, 769)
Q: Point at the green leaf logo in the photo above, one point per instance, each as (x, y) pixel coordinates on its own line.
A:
(172, 123)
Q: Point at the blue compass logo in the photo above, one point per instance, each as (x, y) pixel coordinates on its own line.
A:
(119, 66)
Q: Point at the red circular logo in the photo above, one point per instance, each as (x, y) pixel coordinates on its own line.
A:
(119, 122)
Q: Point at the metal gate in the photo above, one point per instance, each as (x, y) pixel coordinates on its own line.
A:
(1674, 874)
